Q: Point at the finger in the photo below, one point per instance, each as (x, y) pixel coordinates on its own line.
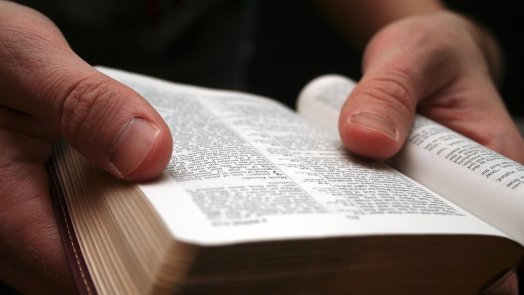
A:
(377, 116)
(27, 125)
(399, 70)
(107, 122)
(482, 118)
(110, 124)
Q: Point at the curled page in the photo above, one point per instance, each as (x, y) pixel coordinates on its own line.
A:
(470, 175)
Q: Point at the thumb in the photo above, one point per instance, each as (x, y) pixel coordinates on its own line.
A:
(376, 118)
(398, 72)
(110, 124)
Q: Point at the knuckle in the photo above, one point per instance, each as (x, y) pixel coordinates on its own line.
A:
(84, 107)
(391, 90)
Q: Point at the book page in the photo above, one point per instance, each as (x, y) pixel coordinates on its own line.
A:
(246, 168)
(320, 101)
(483, 182)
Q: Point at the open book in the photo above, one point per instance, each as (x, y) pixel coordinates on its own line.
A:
(259, 199)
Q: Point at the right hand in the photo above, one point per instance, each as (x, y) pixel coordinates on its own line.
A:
(441, 65)
(47, 92)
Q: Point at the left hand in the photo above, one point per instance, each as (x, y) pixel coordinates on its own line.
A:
(439, 64)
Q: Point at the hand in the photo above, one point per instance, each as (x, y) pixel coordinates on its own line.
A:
(46, 92)
(441, 65)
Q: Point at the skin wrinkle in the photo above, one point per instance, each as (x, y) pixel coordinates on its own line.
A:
(57, 65)
(446, 100)
(13, 121)
(453, 119)
(438, 54)
(108, 108)
(437, 79)
(451, 105)
(28, 148)
(457, 113)
(21, 166)
(79, 105)
(389, 90)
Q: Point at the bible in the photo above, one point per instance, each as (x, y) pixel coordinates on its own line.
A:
(260, 199)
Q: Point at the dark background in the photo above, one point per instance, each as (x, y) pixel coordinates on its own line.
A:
(279, 18)
(295, 43)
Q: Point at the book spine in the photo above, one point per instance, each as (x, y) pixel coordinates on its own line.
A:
(75, 259)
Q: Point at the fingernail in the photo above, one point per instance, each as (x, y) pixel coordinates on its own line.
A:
(374, 122)
(132, 145)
